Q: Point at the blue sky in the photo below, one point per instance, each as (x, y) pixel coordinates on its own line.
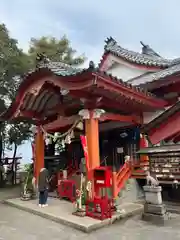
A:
(87, 23)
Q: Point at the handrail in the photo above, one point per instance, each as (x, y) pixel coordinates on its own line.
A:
(70, 170)
(122, 169)
(122, 176)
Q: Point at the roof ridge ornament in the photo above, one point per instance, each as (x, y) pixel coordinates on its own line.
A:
(91, 65)
(146, 49)
(41, 59)
(110, 42)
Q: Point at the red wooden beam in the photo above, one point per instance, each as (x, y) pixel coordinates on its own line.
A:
(165, 130)
(81, 81)
(61, 122)
(30, 114)
(59, 109)
(163, 84)
(177, 138)
(171, 137)
(131, 93)
(121, 118)
(49, 119)
(173, 86)
(62, 109)
(92, 101)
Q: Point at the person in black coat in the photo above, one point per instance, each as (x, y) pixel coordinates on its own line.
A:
(43, 187)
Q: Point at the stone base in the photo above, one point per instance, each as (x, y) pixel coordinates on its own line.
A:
(155, 209)
(80, 213)
(155, 218)
(26, 196)
(153, 194)
(61, 212)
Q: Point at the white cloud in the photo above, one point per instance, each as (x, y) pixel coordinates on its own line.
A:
(88, 23)
(34, 20)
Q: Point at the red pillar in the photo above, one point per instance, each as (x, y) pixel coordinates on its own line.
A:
(39, 152)
(92, 135)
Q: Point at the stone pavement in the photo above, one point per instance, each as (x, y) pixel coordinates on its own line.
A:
(21, 225)
(10, 192)
(61, 211)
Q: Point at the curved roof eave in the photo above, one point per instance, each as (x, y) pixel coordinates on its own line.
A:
(72, 79)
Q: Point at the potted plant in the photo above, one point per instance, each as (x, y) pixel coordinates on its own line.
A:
(27, 185)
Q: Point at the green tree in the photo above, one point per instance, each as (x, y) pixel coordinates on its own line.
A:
(55, 50)
(13, 64)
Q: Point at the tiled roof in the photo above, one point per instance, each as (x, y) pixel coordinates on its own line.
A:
(62, 69)
(153, 60)
(148, 57)
(166, 148)
(162, 117)
(151, 77)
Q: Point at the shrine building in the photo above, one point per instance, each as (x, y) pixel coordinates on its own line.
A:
(114, 105)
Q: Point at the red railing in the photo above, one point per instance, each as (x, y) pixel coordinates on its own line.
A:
(71, 169)
(121, 177)
(139, 170)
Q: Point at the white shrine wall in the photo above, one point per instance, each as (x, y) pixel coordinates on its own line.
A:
(124, 70)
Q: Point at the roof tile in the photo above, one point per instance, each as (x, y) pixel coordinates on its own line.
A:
(151, 77)
(138, 58)
(64, 70)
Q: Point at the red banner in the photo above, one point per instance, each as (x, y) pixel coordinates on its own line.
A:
(85, 149)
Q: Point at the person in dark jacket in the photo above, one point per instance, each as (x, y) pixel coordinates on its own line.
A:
(43, 187)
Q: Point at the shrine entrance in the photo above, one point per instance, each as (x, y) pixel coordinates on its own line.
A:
(118, 143)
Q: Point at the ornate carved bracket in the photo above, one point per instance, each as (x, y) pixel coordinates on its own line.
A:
(96, 113)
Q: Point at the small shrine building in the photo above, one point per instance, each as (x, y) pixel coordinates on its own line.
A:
(127, 91)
